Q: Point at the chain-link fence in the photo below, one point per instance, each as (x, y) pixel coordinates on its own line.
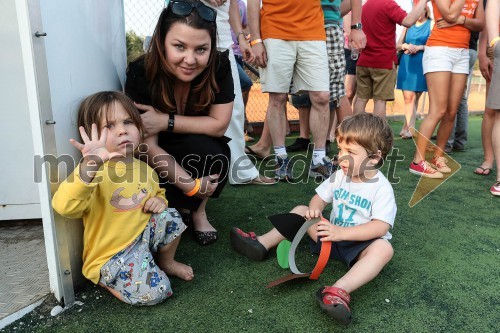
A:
(141, 17)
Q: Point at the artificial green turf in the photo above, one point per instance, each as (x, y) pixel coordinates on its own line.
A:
(444, 276)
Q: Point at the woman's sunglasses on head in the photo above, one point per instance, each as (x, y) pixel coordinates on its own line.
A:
(184, 8)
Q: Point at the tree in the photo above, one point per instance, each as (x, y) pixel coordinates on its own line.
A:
(134, 45)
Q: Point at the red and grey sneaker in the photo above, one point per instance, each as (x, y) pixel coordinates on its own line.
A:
(424, 169)
(495, 189)
(440, 164)
(335, 301)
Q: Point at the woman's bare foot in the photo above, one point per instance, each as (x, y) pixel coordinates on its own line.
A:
(178, 269)
(484, 169)
(260, 151)
(200, 222)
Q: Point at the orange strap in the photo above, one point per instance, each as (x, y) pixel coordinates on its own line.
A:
(324, 255)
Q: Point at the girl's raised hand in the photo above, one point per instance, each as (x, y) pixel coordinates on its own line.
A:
(94, 148)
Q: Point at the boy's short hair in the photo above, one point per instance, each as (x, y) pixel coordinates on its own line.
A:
(367, 130)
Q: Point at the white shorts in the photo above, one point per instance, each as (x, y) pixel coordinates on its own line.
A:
(306, 62)
(445, 59)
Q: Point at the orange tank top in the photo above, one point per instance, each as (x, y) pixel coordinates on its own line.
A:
(457, 36)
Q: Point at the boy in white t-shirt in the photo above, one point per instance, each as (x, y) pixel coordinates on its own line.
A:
(363, 211)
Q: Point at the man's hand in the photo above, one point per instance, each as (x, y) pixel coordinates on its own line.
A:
(357, 39)
(217, 3)
(486, 67)
(154, 205)
(246, 51)
(260, 54)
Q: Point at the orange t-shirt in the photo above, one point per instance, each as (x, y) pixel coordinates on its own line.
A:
(292, 20)
(457, 36)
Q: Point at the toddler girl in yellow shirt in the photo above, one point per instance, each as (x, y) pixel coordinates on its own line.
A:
(130, 236)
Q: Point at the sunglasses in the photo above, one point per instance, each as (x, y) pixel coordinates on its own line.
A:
(184, 8)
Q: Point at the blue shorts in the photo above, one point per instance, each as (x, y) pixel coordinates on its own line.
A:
(346, 251)
(133, 271)
(245, 81)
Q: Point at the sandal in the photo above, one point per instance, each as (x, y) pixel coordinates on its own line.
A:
(259, 180)
(483, 172)
(247, 244)
(335, 301)
(250, 151)
(202, 237)
(205, 237)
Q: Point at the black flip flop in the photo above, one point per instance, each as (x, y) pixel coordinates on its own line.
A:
(249, 151)
(483, 173)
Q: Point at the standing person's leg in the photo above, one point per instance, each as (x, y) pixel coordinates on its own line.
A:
(303, 104)
(344, 110)
(320, 115)
(262, 148)
(486, 139)
(310, 76)
(409, 108)
(241, 168)
(411, 125)
(276, 118)
(456, 91)
(337, 63)
(350, 77)
(438, 84)
(364, 89)
(458, 135)
(493, 102)
(384, 82)
(246, 85)
(495, 189)
(379, 107)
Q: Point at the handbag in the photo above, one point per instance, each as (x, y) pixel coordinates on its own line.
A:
(400, 53)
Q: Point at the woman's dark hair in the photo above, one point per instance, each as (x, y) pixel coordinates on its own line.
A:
(161, 80)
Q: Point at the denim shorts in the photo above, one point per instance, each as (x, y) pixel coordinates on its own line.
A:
(245, 81)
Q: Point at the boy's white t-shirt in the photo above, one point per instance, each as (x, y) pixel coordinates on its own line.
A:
(358, 203)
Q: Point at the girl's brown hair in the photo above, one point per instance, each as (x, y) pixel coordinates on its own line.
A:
(100, 105)
(371, 132)
(162, 81)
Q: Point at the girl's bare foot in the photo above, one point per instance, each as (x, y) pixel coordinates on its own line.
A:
(178, 269)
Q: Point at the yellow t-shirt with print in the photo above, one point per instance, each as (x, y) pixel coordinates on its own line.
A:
(111, 208)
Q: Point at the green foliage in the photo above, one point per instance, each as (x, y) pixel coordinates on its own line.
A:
(134, 45)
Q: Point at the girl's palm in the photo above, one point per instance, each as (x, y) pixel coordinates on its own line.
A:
(94, 147)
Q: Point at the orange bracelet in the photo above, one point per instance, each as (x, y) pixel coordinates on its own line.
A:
(255, 41)
(195, 189)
